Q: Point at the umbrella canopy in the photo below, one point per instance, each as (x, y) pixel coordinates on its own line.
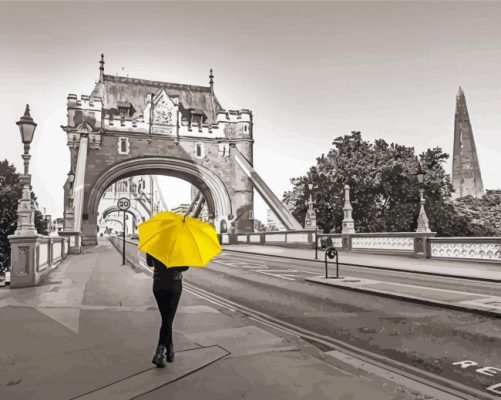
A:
(178, 240)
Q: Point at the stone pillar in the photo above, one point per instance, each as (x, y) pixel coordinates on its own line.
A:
(423, 225)
(243, 197)
(348, 222)
(89, 229)
(25, 210)
(310, 221)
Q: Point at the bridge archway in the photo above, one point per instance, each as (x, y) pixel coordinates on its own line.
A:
(104, 216)
(135, 214)
(206, 181)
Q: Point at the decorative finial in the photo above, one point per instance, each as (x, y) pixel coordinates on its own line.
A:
(211, 78)
(101, 69)
(27, 111)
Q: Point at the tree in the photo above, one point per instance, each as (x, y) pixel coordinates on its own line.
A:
(383, 187)
(10, 193)
(483, 215)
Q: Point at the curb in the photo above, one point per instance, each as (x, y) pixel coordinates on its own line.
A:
(470, 278)
(414, 299)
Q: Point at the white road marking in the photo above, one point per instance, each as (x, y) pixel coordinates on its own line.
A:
(283, 276)
(283, 273)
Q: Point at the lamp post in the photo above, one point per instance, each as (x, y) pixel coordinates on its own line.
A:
(311, 217)
(71, 179)
(422, 217)
(25, 209)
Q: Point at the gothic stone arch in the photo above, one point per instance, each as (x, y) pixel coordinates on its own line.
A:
(131, 126)
(212, 188)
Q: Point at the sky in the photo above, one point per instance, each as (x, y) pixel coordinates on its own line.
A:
(309, 72)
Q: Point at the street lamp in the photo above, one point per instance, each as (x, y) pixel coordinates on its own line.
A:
(27, 129)
(311, 217)
(420, 174)
(71, 176)
(25, 210)
(423, 225)
(71, 179)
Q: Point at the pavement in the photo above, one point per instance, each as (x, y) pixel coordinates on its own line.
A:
(90, 330)
(486, 271)
(454, 299)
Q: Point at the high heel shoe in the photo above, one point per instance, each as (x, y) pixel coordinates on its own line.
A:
(159, 357)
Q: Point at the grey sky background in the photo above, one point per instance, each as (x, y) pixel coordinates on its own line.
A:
(309, 71)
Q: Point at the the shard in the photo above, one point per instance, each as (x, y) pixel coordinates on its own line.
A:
(466, 178)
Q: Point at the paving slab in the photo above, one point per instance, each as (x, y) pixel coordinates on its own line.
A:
(146, 381)
(244, 340)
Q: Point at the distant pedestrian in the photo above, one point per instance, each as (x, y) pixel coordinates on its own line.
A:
(167, 288)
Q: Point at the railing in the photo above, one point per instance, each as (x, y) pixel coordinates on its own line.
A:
(305, 238)
(466, 248)
(393, 243)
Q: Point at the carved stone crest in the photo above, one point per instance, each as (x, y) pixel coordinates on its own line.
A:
(164, 114)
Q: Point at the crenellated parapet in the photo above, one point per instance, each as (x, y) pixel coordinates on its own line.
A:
(84, 118)
(237, 124)
(91, 103)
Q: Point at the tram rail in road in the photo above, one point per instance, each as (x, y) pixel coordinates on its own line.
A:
(363, 359)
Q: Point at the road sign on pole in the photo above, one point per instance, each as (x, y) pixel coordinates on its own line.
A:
(123, 204)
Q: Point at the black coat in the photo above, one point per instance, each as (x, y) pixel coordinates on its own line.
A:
(163, 277)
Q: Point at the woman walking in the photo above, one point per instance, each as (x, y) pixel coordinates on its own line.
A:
(167, 288)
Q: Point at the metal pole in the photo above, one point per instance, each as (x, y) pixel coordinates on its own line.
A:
(123, 248)
(326, 273)
(316, 245)
(337, 266)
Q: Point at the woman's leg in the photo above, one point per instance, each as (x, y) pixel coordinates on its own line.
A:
(163, 301)
(175, 295)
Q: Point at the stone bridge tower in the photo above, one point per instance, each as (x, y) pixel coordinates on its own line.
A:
(129, 127)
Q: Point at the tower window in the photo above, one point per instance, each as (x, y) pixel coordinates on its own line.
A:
(123, 145)
(199, 150)
(197, 118)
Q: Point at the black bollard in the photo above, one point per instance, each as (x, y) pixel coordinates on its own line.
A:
(331, 252)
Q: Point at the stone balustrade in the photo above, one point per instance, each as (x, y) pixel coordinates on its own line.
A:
(405, 243)
(34, 256)
(305, 238)
(393, 243)
(466, 248)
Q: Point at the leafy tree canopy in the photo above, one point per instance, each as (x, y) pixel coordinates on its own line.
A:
(384, 189)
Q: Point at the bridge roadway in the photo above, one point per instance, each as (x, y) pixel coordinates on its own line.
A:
(424, 337)
(422, 340)
(89, 332)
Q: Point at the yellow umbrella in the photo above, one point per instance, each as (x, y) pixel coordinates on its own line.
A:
(178, 240)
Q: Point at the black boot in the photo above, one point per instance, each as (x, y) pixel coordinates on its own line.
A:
(170, 353)
(159, 357)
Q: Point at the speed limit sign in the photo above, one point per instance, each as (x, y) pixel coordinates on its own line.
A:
(123, 204)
